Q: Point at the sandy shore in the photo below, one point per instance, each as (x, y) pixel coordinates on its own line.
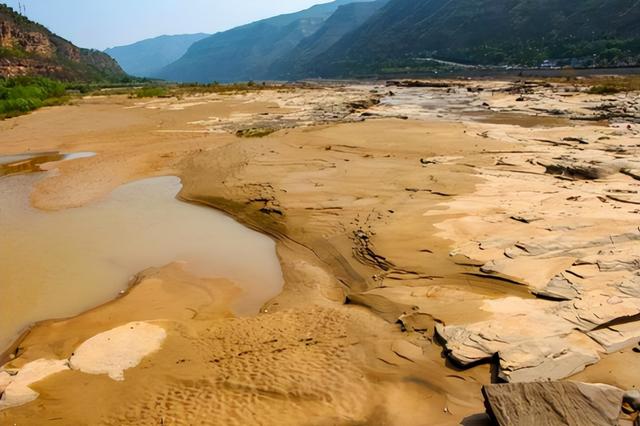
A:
(418, 237)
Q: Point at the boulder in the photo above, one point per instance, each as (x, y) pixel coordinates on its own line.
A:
(553, 404)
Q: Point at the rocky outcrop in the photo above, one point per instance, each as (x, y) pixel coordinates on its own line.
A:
(553, 404)
(27, 48)
(34, 42)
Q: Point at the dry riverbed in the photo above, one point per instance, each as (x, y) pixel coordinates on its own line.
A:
(431, 239)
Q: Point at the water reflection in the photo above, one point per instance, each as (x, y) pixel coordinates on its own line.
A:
(31, 162)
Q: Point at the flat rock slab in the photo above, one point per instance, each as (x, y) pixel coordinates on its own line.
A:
(553, 404)
(617, 337)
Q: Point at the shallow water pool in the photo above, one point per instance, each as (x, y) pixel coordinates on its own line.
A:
(58, 264)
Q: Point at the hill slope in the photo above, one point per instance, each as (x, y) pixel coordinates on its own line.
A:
(490, 32)
(248, 52)
(147, 57)
(301, 61)
(28, 48)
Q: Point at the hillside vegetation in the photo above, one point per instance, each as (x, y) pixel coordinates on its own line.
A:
(357, 39)
(491, 32)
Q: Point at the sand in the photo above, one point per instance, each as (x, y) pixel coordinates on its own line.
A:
(400, 240)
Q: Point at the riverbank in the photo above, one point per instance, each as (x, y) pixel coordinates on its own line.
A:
(405, 231)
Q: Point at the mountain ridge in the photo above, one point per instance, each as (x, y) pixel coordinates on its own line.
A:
(300, 61)
(247, 52)
(146, 58)
(490, 32)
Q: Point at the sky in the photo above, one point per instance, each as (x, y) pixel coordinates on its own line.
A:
(100, 24)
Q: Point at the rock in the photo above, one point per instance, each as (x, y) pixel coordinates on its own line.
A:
(5, 379)
(546, 359)
(532, 338)
(575, 169)
(567, 244)
(553, 404)
(578, 140)
(593, 310)
(526, 219)
(634, 173)
(632, 400)
(630, 287)
(117, 350)
(630, 264)
(426, 162)
(559, 288)
(617, 337)
(16, 387)
(418, 321)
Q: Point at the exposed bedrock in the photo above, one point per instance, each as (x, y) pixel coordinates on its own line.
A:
(553, 404)
(565, 228)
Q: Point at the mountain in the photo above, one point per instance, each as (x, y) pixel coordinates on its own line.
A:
(301, 61)
(248, 52)
(28, 48)
(147, 57)
(492, 32)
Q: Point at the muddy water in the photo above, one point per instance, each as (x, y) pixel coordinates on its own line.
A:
(27, 163)
(58, 264)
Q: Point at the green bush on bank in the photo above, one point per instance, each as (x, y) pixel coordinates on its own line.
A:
(603, 90)
(151, 92)
(23, 94)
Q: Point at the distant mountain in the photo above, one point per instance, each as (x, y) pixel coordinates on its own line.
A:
(248, 52)
(301, 61)
(526, 32)
(28, 48)
(147, 57)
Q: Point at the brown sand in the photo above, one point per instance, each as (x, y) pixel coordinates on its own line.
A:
(365, 212)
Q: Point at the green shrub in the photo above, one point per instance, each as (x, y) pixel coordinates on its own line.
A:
(23, 94)
(151, 92)
(603, 90)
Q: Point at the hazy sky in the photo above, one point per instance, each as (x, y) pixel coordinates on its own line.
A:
(106, 23)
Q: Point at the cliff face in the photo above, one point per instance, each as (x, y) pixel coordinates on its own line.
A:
(27, 48)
